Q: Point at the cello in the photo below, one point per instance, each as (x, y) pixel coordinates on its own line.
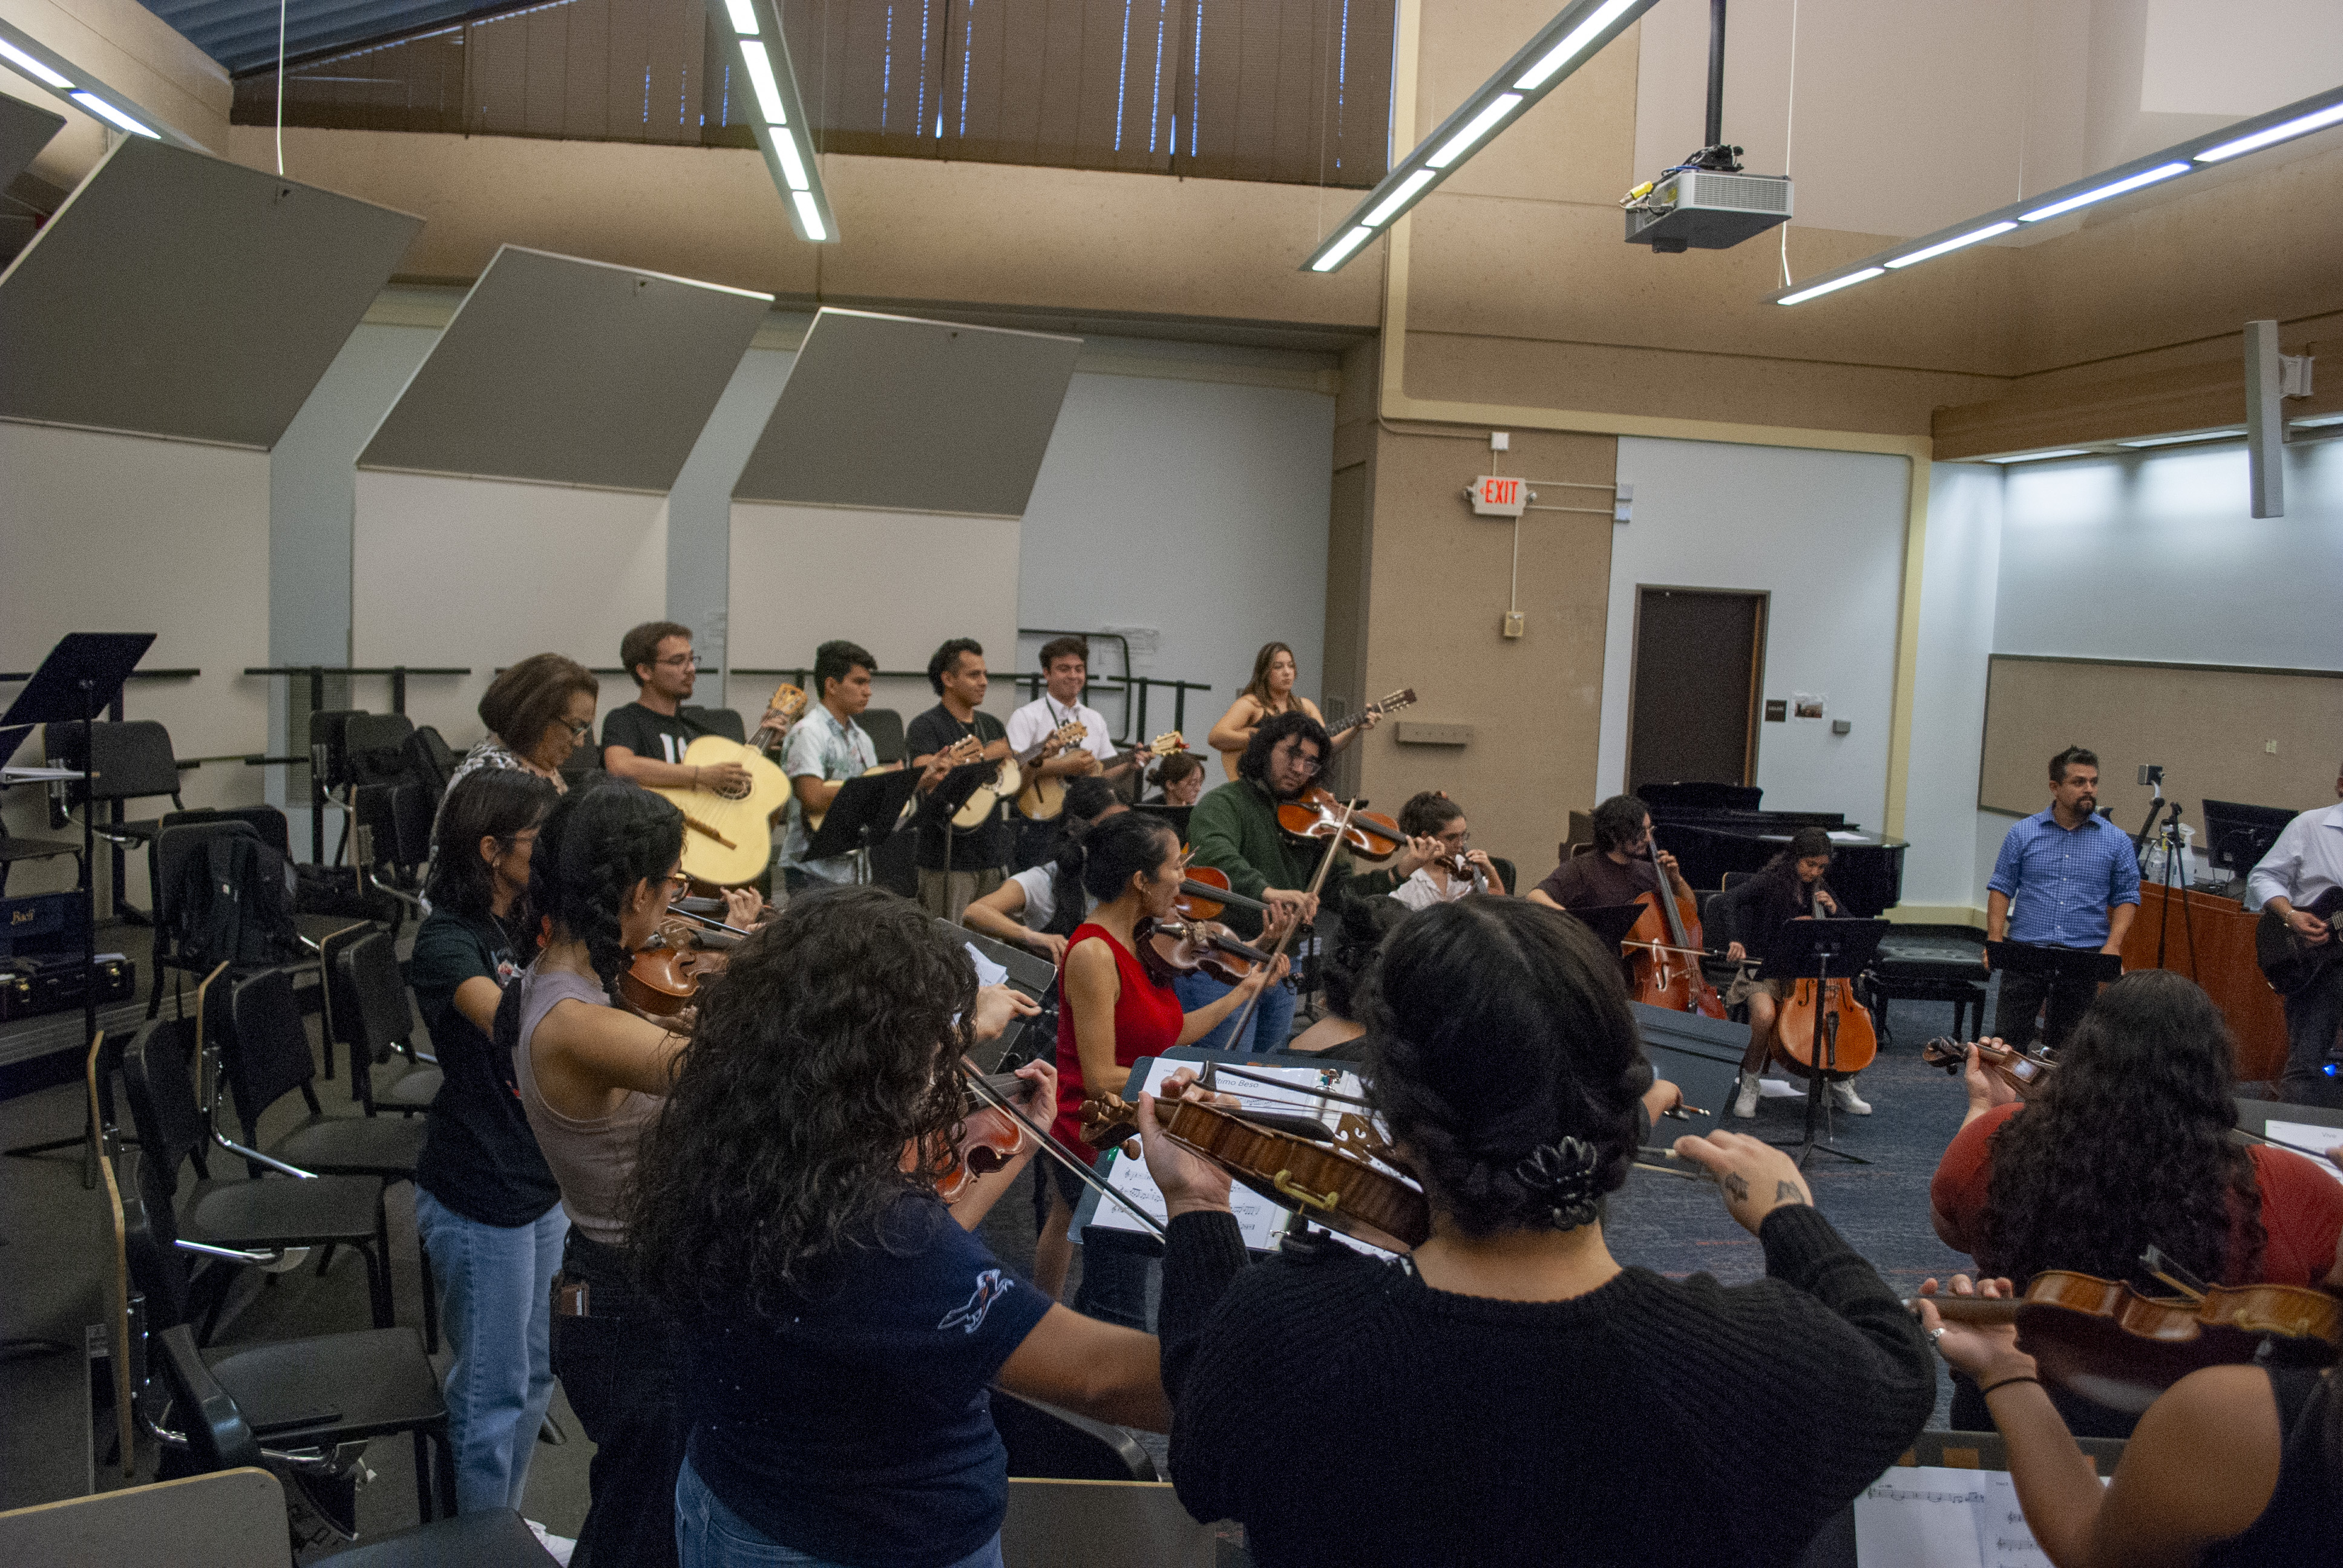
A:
(1667, 941)
(1818, 1018)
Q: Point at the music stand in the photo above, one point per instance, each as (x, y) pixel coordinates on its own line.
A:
(943, 803)
(1811, 949)
(863, 812)
(1611, 922)
(2058, 963)
(79, 679)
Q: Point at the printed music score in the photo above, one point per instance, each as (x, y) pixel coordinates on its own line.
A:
(1928, 1516)
(2307, 1139)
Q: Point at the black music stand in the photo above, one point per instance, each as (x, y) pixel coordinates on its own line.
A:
(2062, 966)
(1611, 922)
(863, 812)
(943, 803)
(79, 680)
(1811, 949)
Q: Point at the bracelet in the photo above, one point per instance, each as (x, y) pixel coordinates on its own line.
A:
(2022, 1377)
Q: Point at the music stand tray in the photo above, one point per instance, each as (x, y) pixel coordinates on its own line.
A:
(1612, 922)
(870, 802)
(2063, 965)
(1822, 952)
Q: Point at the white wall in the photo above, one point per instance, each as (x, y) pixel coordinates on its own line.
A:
(1196, 508)
(121, 533)
(484, 572)
(1961, 568)
(1822, 532)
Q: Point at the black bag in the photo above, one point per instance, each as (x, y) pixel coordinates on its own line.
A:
(234, 904)
(430, 761)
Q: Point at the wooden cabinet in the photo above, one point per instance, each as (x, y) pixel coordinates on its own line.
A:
(2210, 940)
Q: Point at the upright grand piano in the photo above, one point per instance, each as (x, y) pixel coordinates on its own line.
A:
(1714, 829)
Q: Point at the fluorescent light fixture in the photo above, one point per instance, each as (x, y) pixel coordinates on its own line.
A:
(2300, 125)
(793, 169)
(744, 17)
(1578, 31)
(1480, 125)
(36, 70)
(1832, 286)
(1342, 249)
(1570, 48)
(2231, 434)
(2038, 457)
(107, 112)
(2085, 198)
(1399, 198)
(809, 214)
(1955, 243)
(760, 75)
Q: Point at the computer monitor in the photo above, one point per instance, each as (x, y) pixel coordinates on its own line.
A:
(2237, 837)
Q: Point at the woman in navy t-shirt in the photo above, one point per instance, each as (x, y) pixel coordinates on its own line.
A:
(838, 1323)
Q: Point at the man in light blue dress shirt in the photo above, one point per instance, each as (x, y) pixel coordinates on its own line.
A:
(2065, 877)
(826, 748)
(2304, 866)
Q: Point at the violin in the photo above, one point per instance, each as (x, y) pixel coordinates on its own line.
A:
(1315, 814)
(1323, 1182)
(1667, 941)
(988, 1138)
(2121, 1349)
(1170, 949)
(2023, 1072)
(662, 983)
(1801, 1022)
(1204, 892)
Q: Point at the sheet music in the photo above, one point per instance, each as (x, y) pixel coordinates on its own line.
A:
(1841, 836)
(1261, 1220)
(1928, 1516)
(2307, 1139)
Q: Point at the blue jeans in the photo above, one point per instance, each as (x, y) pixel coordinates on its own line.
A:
(1272, 1018)
(494, 1283)
(710, 1535)
(2312, 1018)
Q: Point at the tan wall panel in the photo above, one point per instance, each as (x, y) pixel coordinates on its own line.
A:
(1576, 146)
(1737, 389)
(1437, 594)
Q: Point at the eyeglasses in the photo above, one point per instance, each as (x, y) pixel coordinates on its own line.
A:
(579, 728)
(680, 661)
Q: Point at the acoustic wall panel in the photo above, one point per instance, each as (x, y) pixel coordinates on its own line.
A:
(25, 129)
(175, 294)
(570, 372)
(895, 414)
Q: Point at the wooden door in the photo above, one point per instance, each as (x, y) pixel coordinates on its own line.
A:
(1694, 701)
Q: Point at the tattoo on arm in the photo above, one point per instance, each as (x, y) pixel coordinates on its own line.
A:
(1787, 1192)
(1736, 1184)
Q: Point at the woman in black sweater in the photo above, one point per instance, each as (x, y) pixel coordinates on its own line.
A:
(1746, 917)
(1510, 1394)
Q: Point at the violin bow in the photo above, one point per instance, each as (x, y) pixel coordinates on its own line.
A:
(1048, 1144)
(1211, 894)
(1326, 864)
(710, 921)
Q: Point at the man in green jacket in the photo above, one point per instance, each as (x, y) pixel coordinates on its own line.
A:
(1234, 830)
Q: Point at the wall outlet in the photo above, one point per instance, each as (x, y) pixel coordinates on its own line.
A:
(1516, 623)
(2270, 747)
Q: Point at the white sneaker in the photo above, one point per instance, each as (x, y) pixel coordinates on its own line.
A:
(1744, 1101)
(557, 1547)
(1843, 1095)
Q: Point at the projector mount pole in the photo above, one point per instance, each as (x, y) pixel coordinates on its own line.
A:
(1715, 72)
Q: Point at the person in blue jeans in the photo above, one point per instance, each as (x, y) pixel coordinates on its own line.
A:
(487, 1208)
(838, 1322)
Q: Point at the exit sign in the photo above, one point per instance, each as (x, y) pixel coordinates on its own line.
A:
(1495, 498)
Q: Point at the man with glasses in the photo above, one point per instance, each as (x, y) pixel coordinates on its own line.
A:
(1235, 829)
(1620, 867)
(645, 741)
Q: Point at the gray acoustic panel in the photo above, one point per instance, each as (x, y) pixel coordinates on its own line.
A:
(177, 294)
(570, 372)
(25, 129)
(902, 414)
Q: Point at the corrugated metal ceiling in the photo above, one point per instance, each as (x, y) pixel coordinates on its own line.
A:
(241, 35)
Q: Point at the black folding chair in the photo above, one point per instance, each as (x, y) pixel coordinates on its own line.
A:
(370, 1010)
(240, 1221)
(885, 728)
(132, 760)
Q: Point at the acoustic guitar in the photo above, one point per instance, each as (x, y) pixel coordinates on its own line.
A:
(2289, 961)
(1045, 796)
(728, 837)
(1392, 704)
(1009, 778)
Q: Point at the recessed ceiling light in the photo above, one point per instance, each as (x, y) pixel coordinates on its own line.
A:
(2229, 433)
(2038, 457)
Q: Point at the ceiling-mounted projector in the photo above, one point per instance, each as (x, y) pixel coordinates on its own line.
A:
(1705, 202)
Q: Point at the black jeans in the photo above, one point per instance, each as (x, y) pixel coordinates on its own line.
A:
(2312, 1017)
(616, 1365)
(2022, 996)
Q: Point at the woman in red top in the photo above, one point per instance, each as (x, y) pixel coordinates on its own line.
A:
(2128, 1146)
(1112, 1012)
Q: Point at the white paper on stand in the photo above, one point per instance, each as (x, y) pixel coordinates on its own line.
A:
(1920, 1516)
(2304, 1138)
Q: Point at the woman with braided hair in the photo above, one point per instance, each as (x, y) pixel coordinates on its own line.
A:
(1509, 1393)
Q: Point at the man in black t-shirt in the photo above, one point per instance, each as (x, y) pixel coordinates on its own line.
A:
(1619, 869)
(645, 741)
(979, 856)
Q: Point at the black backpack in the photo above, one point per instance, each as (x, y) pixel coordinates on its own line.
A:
(233, 904)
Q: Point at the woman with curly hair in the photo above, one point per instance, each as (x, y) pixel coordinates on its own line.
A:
(838, 1323)
(2127, 1147)
(1509, 1393)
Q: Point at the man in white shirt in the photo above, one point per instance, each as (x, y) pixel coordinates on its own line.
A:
(1065, 670)
(2303, 865)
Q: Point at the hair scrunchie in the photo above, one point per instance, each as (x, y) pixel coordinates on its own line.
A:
(1563, 1173)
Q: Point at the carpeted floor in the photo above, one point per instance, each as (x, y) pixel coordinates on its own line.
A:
(51, 1257)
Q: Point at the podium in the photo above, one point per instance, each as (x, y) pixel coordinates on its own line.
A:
(2210, 940)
